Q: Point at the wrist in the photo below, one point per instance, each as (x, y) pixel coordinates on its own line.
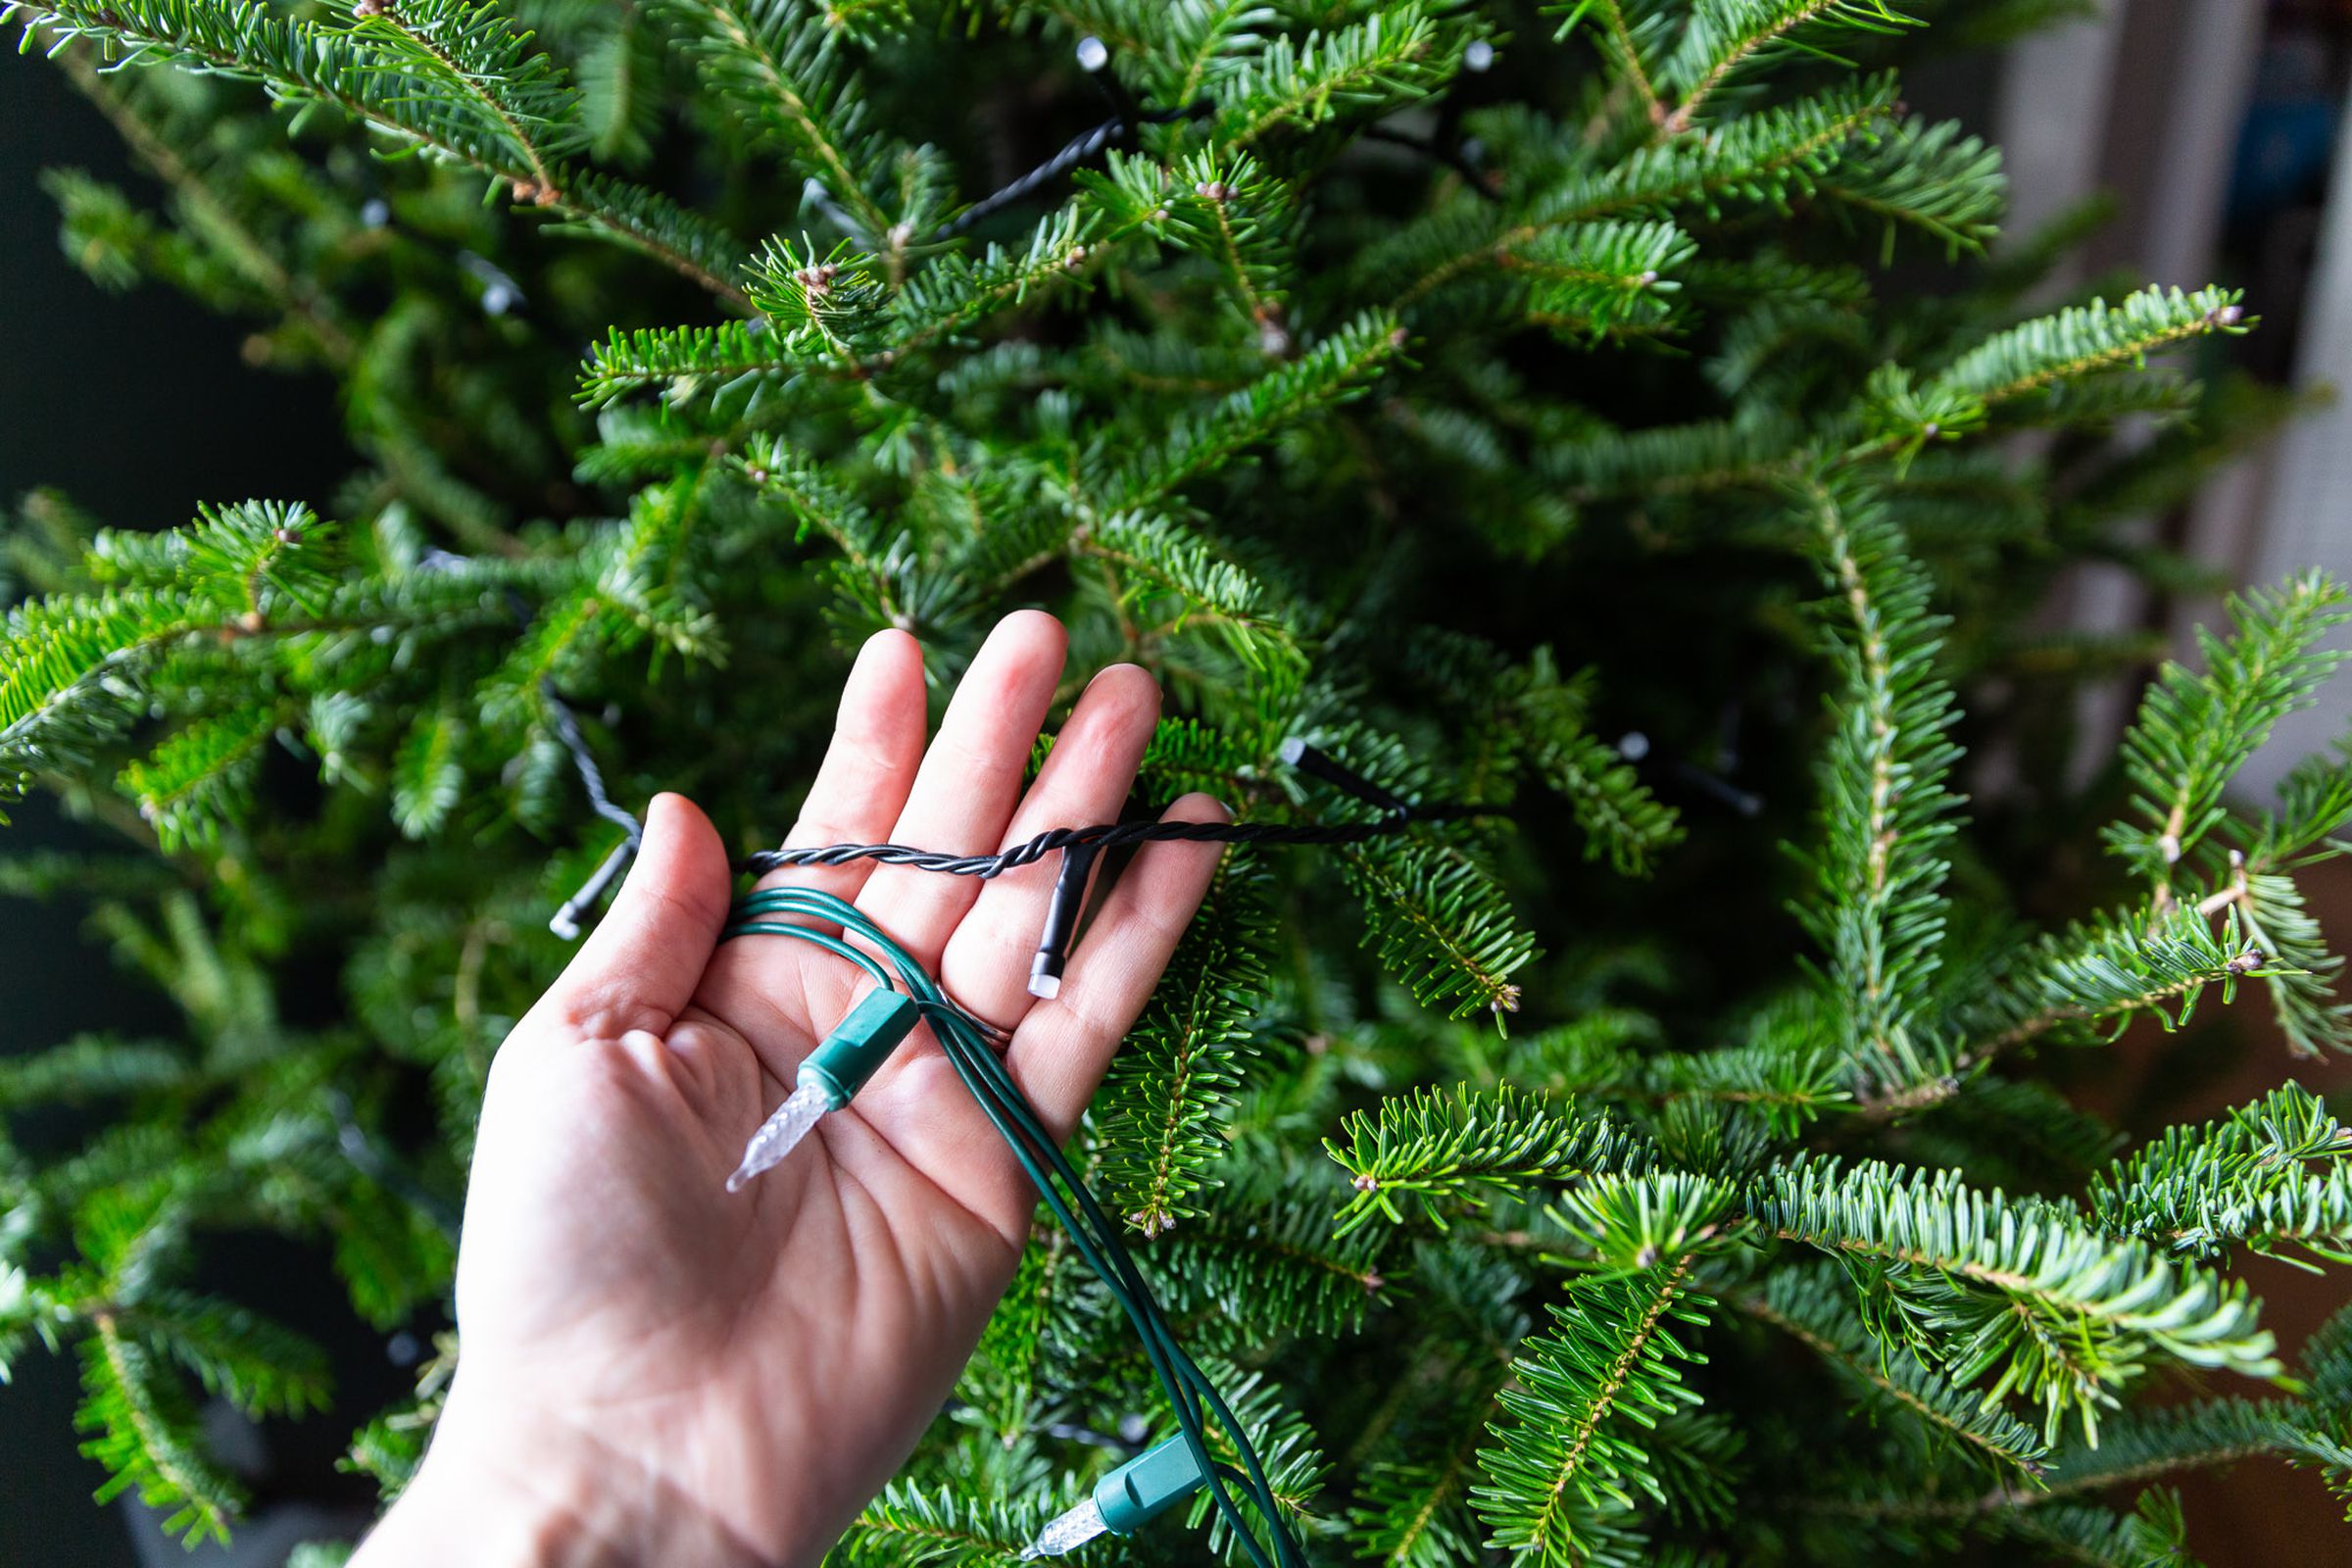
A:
(533, 1494)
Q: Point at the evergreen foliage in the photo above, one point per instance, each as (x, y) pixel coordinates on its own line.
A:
(1459, 387)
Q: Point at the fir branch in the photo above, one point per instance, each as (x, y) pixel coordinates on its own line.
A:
(652, 224)
(959, 291)
(58, 659)
(1198, 37)
(203, 776)
(782, 64)
(2154, 1532)
(1334, 371)
(2084, 339)
(1264, 1268)
(470, 47)
(2301, 972)
(910, 1526)
(1566, 1459)
(1932, 179)
(1725, 36)
(1598, 277)
(427, 776)
(147, 1438)
(2102, 972)
(1416, 1515)
(708, 362)
(620, 78)
(2144, 1446)
(816, 503)
(1681, 460)
(1619, 814)
(2314, 805)
(1765, 156)
(1880, 907)
(1245, 221)
(826, 302)
(301, 61)
(1768, 156)
(1790, 1090)
(1628, 53)
(2245, 1179)
(261, 1367)
(1442, 926)
(89, 1068)
(1158, 1118)
(1811, 1306)
(2071, 1307)
(2194, 730)
(1154, 558)
(1387, 59)
(1446, 1150)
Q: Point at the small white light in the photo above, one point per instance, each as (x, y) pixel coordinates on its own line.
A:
(1045, 987)
(1479, 56)
(782, 1132)
(1632, 746)
(1073, 1529)
(1092, 53)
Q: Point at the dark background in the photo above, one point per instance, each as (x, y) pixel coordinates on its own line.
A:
(138, 406)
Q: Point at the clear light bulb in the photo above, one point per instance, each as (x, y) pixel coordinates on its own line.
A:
(780, 1133)
(1067, 1531)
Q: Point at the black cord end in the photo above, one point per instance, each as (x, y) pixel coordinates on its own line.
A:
(1298, 754)
(565, 922)
(1061, 923)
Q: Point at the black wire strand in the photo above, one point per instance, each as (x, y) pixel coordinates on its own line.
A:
(583, 762)
(1107, 836)
(1095, 59)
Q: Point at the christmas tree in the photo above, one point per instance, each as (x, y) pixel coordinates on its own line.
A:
(1455, 388)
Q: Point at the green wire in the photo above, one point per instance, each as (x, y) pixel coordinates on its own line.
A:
(1002, 1101)
(1093, 1237)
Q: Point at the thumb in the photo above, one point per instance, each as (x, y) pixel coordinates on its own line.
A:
(640, 966)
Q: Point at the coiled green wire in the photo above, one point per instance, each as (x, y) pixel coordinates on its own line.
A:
(1094, 1236)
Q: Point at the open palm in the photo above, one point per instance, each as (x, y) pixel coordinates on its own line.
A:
(757, 1364)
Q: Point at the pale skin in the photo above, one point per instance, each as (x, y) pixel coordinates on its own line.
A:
(654, 1371)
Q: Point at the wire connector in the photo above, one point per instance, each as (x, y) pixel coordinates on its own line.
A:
(1124, 1501)
(829, 1077)
(862, 1042)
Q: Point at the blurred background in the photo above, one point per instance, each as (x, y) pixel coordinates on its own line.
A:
(2216, 127)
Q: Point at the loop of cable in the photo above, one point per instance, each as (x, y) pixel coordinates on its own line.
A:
(1092, 1234)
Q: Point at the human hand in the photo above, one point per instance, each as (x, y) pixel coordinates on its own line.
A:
(654, 1370)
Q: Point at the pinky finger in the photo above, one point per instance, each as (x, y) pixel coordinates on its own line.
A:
(1064, 1046)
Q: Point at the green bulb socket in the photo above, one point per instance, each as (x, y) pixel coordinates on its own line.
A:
(860, 1044)
(1153, 1482)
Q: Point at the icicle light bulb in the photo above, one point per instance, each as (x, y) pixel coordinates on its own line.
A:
(782, 1132)
(1067, 1532)
(833, 1072)
(1152, 1483)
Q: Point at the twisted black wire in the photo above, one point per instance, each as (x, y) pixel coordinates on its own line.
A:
(1077, 150)
(1108, 836)
(583, 762)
